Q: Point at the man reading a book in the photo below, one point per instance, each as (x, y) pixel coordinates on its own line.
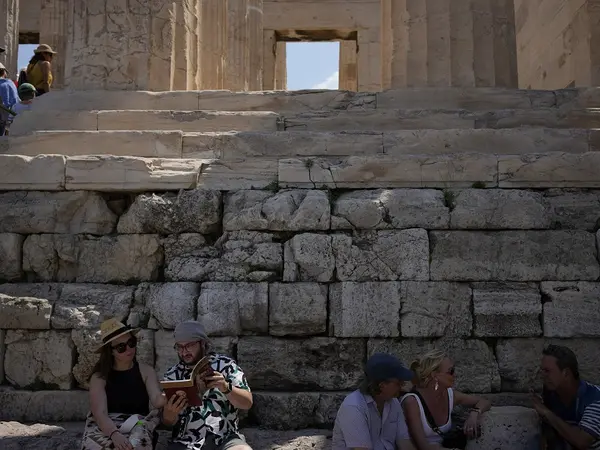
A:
(222, 391)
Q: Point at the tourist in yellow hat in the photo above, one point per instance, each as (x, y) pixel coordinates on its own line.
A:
(39, 69)
(121, 391)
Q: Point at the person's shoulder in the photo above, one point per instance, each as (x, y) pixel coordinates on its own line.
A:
(219, 361)
(354, 399)
(591, 393)
(44, 63)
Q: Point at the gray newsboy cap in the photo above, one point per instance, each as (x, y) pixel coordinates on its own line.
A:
(190, 330)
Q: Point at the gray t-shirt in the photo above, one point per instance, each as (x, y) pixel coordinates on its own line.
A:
(359, 425)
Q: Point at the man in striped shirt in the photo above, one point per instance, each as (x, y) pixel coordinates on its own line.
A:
(569, 407)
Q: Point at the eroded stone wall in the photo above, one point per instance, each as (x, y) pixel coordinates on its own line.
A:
(300, 286)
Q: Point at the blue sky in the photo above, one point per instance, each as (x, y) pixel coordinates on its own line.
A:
(310, 65)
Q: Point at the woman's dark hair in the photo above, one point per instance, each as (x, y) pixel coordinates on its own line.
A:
(37, 57)
(565, 358)
(105, 363)
(3, 72)
(369, 387)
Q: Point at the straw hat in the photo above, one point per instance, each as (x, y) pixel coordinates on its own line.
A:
(44, 48)
(112, 329)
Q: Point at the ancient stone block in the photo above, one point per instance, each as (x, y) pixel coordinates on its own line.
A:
(329, 404)
(370, 309)
(508, 428)
(236, 256)
(11, 255)
(231, 309)
(26, 173)
(308, 257)
(44, 406)
(105, 259)
(390, 208)
(571, 309)
(297, 309)
(226, 345)
(293, 210)
(279, 364)
(168, 303)
(382, 255)
(194, 211)
(166, 356)
(239, 173)
(88, 305)
(284, 411)
(574, 209)
(145, 347)
(2, 351)
(513, 255)
(476, 367)
(46, 291)
(55, 212)
(37, 359)
(86, 341)
(24, 313)
(507, 309)
(498, 209)
(435, 309)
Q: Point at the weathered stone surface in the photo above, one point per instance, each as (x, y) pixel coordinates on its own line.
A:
(364, 309)
(309, 257)
(298, 364)
(476, 368)
(571, 309)
(382, 255)
(435, 309)
(47, 291)
(236, 256)
(145, 347)
(293, 210)
(88, 259)
(166, 356)
(283, 411)
(513, 255)
(390, 208)
(44, 406)
(508, 428)
(499, 209)
(231, 309)
(239, 173)
(11, 255)
(194, 211)
(507, 309)
(2, 351)
(574, 209)
(86, 341)
(55, 212)
(329, 404)
(168, 303)
(88, 305)
(26, 173)
(226, 345)
(25, 313)
(297, 309)
(37, 359)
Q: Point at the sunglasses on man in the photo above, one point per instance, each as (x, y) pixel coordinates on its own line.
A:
(122, 347)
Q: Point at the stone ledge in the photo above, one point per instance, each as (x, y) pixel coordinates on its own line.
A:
(27, 173)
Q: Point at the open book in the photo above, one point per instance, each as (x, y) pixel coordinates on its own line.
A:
(201, 369)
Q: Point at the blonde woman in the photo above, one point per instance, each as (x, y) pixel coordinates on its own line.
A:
(428, 407)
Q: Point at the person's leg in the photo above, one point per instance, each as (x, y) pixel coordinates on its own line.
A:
(235, 443)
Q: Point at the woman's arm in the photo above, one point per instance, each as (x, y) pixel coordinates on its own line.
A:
(155, 393)
(412, 414)
(99, 407)
(46, 70)
(479, 403)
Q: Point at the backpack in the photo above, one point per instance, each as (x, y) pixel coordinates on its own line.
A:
(22, 77)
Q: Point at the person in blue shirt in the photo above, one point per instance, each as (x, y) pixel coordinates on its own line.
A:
(8, 95)
(569, 407)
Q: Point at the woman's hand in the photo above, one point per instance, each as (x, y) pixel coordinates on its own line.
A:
(471, 427)
(121, 442)
(174, 406)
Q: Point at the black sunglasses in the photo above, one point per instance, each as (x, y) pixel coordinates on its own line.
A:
(122, 347)
(452, 371)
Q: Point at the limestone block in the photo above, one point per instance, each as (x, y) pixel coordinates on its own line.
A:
(368, 309)
(519, 363)
(38, 359)
(52, 257)
(239, 173)
(46, 291)
(2, 351)
(571, 309)
(545, 170)
(329, 404)
(293, 210)
(195, 211)
(166, 356)
(499, 209)
(236, 256)
(44, 406)
(37, 173)
(284, 411)
(231, 309)
(88, 305)
(145, 347)
(168, 303)
(86, 341)
(297, 309)
(55, 212)
(11, 255)
(130, 174)
(390, 208)
(309, 257)
(513, 255)
(508, 428)
(382, 255)
(281, 364)
(225, 345)
(507, 309)
(368, 172)
(25, 313)
(28, 122)
(574, 209)
(435, 309)
(476, 367)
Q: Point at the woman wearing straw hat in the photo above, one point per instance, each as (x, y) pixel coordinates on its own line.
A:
(121, 391)
(39, 69)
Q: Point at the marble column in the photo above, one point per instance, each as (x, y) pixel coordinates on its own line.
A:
(453, 43)
(281, 66)
(254, 47)
(236, 75)
(54, 30)
(213, 33)
(9, 34)
(348, 66)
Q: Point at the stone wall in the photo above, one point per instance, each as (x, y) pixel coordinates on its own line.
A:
(300, 286)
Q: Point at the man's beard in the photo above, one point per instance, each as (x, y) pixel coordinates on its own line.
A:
(194, 361)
